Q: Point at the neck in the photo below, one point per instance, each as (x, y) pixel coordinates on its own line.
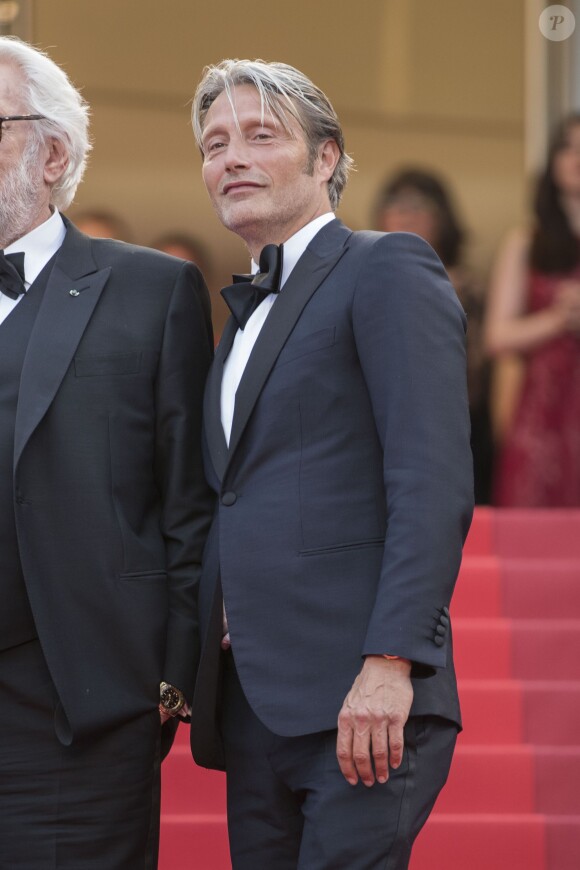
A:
(35, 220)
(272, 234)
(256, 247)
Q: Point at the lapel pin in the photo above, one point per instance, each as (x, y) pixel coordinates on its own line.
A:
(73, 292)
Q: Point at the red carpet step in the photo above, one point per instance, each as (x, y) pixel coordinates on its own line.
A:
(513, 797)
(503, 648)
(466, 841)
(536, 534)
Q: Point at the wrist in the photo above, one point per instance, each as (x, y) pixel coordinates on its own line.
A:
(171, 699)
(395, 663)
(398, 663)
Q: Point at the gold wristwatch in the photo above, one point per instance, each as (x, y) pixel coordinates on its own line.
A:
(171, 700)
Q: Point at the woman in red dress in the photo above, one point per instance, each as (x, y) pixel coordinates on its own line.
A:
(534, 311)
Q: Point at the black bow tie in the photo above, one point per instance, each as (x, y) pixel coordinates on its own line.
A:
(245, 294)
(12, 274)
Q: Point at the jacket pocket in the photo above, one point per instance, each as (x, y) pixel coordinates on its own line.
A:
(143, 575)
(340, 548)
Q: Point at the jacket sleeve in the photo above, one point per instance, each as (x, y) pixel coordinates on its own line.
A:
(186, 354)
(410, 333)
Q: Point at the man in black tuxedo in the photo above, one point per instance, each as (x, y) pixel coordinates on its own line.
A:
(104, 350)
(337, 436)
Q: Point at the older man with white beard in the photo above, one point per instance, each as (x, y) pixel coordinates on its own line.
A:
(104, 349)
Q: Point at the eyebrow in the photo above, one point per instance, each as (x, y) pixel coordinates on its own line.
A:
(256, 121)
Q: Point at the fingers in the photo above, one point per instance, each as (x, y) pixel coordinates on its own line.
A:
(225, 642)
(380, 744)
(361, 746)
(367, 753)
(375, 748)
(344, 750)
(396, 744)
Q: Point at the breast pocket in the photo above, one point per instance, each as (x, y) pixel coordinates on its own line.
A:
(318, 340)
(110, 364)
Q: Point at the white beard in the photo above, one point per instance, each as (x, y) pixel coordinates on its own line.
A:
(20, 193)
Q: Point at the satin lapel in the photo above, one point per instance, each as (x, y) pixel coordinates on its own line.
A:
(58, 328)
(214, 432)
(315, 264)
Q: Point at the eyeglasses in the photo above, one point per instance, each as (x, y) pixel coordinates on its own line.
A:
(18, 118)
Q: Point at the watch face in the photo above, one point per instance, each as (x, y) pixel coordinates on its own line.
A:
(171, 698)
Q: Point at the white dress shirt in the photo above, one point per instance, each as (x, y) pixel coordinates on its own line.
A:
(38, 247)
(246, 338)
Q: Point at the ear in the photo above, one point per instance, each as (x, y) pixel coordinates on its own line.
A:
(56, 161)
(328, 157)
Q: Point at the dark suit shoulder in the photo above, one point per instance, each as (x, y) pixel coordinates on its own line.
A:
(115, 253)
(402, 268)
(381, 254)
(393, 244)
(81, 254)
(401, 277)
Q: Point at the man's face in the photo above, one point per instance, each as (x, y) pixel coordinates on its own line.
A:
(258, 175)
(23, 194)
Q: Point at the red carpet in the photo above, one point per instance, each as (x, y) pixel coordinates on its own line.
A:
(513, 797)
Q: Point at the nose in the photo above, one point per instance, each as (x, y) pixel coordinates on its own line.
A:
(237, 156)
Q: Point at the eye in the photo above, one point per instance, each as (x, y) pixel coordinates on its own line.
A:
(263, 136)
(214, 146)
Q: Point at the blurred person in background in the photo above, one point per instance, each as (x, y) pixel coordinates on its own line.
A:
(534, 311)
(186, 247)
(417, 201)
(100, 224)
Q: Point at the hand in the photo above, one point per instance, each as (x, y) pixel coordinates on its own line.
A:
(372, 719)
(184, 712)
(225, 642)
(165, 717)
(567, 304)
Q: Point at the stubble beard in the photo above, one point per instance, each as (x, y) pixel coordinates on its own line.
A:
(21, 190)
(266, 222)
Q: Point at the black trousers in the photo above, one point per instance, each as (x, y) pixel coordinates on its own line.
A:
(290, 808)
(90, 806)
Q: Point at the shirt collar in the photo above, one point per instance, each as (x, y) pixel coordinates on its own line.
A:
(39, 245)
(295, 246)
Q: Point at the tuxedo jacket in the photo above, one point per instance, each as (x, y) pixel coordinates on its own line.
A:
(346, 492)
(111, 505)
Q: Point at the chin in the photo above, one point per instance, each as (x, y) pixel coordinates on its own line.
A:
(236, 219)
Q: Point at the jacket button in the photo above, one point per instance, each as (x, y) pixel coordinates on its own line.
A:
(229, 498)
(439, 641)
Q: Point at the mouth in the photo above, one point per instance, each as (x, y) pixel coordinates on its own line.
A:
(240, 187)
